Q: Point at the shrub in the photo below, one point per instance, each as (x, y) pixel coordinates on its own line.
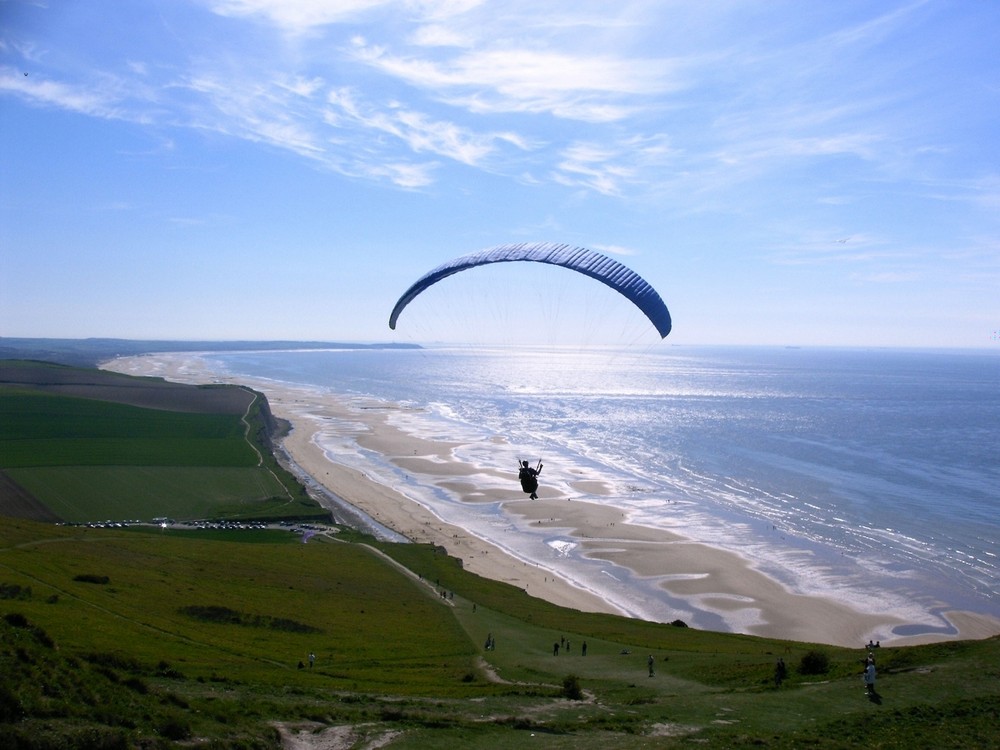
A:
(11, 709)
(137, 685)
(175, 728)
(91, 578)
(571, 688)
(16, 619)
(212, 613)
(289, 626)
(814, 662)
(13, 591)
(114, 661)
(226, 616)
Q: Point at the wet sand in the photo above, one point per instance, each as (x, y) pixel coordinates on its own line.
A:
(711, 579)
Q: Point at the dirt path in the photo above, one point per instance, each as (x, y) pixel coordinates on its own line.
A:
(311, 736)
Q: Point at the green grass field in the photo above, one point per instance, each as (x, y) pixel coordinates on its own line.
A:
(94, 493)
(93, 459)
(393, 655)
(156, 638)
(37, 429)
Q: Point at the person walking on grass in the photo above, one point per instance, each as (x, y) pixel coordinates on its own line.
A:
(870, 678)
(780, 672)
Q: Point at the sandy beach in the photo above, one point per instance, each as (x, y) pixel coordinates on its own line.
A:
(711, 579)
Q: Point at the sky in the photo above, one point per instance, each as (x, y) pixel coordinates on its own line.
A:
(783, 173)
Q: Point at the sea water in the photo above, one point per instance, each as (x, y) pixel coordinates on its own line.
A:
(869, 475)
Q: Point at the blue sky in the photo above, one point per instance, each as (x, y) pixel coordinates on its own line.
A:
(805, 173)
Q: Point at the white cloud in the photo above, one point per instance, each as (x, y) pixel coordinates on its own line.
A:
(587, 87)
(440, 35)
(401, 174)
(615, 250)
(441, 9)
(256, 111)
(297, 16)
(861, 145)
(88, 100)
(609, 168)
(567, 108)
(875, 30)
(301, 86)
(592, 166)
(463, 81)
(418, 131)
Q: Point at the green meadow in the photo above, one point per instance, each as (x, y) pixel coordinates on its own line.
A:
(166, 637)
(92, 446)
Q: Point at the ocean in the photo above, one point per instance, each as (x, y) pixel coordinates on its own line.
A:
(871, 476)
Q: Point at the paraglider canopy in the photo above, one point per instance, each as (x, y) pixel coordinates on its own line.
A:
(582, 260)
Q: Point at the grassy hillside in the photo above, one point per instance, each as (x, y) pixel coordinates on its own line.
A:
(175, 635)
(84, 445)
(148, 637)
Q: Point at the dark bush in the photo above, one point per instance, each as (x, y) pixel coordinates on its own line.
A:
(172, 699)
(136, 685)
(90, 578)
(814, 662)
(16, 619)
(114, 661)
(571, 688)
(108, 674)
(679, 624)
(212, 613)
(13, 591)
(226, 616)
(290, 626)
(175, 728)
(11, 709)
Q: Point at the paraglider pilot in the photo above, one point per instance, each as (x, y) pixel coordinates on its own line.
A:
(529, 478)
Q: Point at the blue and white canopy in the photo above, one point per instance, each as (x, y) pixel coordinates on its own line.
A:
(588, 262)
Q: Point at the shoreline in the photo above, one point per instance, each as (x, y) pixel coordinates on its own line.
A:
(714, 582)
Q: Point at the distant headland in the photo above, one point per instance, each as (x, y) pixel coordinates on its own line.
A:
(90, 352)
